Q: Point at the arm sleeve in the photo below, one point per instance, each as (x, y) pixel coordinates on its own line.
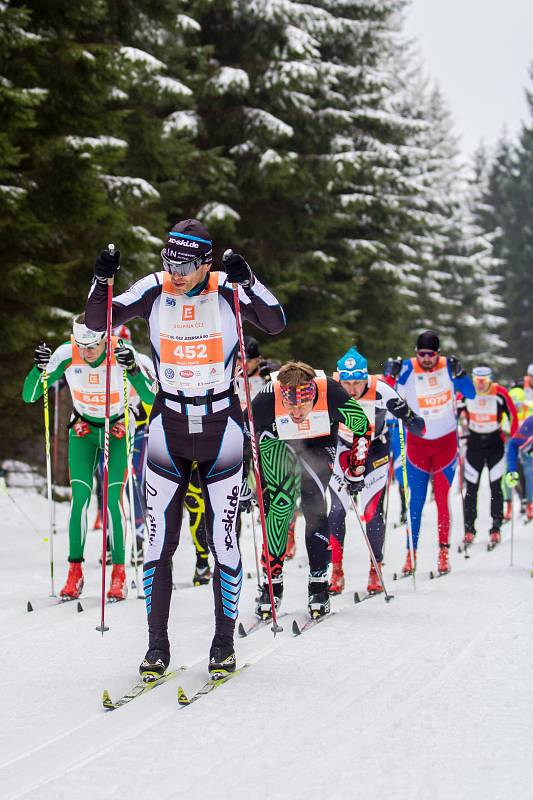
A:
(59, 361)
(142, 385)
(135, 302)
(464, 385)
(413, 422)
(509, 409)
(259, 306)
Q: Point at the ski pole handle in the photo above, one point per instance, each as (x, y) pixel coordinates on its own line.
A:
(111, 251)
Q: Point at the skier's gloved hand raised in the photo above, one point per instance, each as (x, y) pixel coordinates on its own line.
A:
(237, 269)
(396, 366)
(456, 367)
(399, 409)
(41, 356)
(107, 265)
(511, 479)
(246, 497)
(125, 357)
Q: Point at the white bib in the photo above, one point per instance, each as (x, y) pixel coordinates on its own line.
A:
(483, 412)
(190, 331)
(87, 385)
(434, 390)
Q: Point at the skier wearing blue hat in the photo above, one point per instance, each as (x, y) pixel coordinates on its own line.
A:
(376, 398)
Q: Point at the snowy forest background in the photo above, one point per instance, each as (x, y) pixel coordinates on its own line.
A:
(304, 134)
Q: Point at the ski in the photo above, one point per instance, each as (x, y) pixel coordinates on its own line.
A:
(359, 598)
(397, 576)
(139, 689)
(310, 623)
(214, 682)
(433, 575)
(256, 626)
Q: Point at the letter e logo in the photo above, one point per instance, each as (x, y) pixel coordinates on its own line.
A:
(187, 313)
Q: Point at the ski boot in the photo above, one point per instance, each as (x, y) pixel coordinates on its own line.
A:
(74, 585)
(408, 568)
(374, 585)
(154, 664)
(318, 603)
(97, 524)
(495, 538)
(508, 513)
(529, 512)
(263, 609)
(222, 659)
(336, 582)
(469, 538)
(118, 588)
(202, 573)
(443, 566)
(290, 552)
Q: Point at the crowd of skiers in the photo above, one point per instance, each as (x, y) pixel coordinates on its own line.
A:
(179, 422)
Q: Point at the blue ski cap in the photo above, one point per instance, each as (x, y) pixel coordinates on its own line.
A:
(352, 366)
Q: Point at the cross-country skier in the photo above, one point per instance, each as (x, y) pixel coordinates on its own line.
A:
(376, 397)
(521, 445)
(197, 416)
(83, 362)
(297, 417)
(485, 446)
(429, 382)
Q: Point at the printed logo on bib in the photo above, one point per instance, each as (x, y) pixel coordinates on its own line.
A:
(305, 425)
(94, 377)
(187, 313)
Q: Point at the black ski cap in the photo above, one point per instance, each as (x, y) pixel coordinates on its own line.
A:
(188, 239)
(251, 347)
(428, 340)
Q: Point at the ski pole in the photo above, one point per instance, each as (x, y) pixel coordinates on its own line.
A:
(407, 493)
(387, 495)
(105, 493)
(388, 597)
(55, 448)
(255, 551)
(461, 492)
(129, 456)
(276, 628)
(512, 529)
(49, 479)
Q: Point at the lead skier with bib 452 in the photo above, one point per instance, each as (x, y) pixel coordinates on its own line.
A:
(196, 416)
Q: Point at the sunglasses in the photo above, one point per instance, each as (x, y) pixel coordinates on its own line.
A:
(426, 353)
(184, 268)
(83, 346)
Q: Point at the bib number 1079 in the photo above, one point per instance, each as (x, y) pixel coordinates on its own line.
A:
(190, 352)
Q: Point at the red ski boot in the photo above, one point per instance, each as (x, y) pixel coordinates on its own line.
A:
(290, 552)
(336, 584)
(529, 511)
(495, 538)
(508, 513)
(407, 568)
(469, 538)
(74, 585)
(374, 586)
(443, 566)
(118, 588)
(97, 525)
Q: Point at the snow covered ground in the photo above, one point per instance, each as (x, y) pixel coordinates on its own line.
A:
(430, 696)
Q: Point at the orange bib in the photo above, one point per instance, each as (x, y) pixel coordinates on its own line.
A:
(87, 384)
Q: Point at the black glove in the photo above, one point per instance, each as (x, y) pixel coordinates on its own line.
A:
(238, 270)
(41, 356)
(264, 369)
(107, 265)
(354, 485)
(246, 497)
(456, 367)
(396, 366)
(125, 357)
(398, 408)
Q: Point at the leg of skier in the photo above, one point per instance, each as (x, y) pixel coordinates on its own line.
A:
(316, 466)
(118, 465)
(340, 501)
(496, 465)
(372, 496)
(444, 466)
(474, 462)
(278, 466)
(418, 471)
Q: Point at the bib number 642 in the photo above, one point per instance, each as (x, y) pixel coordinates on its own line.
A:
(191, 352)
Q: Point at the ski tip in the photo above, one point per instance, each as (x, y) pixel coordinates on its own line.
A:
(241, 631)
(248, 575)
(356, 597)
(79, 607)
(295, 628)
(133, 584)
(431, 575)
(459, 549)
(183, 700)
(106, 701)
(29, 606)
(394, 576)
